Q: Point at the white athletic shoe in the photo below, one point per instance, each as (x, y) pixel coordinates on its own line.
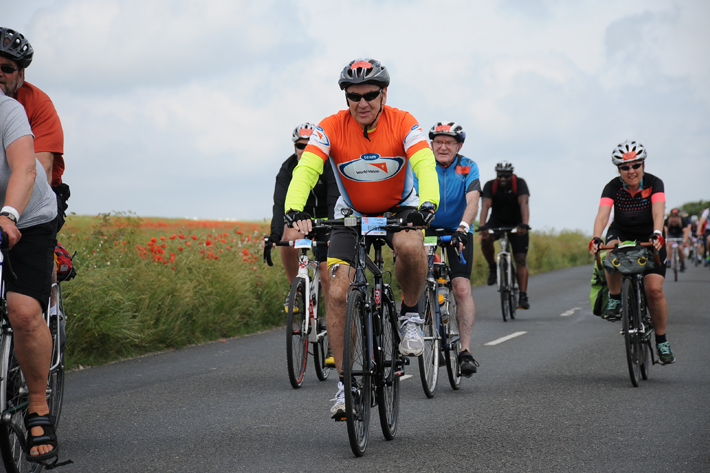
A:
(339, 399)
(412, 336)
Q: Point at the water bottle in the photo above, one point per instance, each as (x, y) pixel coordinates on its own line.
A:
(443, 295)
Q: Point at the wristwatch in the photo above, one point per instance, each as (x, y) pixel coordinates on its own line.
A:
(10, 216)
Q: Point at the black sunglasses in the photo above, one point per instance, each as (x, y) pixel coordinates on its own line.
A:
(369, 96)
(300, 145)
(635, 166)
(505, 176)
(7, 69)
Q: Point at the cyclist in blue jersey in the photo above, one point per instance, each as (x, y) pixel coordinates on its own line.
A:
(459, 189)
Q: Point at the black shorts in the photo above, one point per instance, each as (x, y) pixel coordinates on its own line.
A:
(32, 260)
(519, 243)
(614, 233)
(458, 269)
(343, 242)
(321, 252)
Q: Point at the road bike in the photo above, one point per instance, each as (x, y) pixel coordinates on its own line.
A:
(372, 364)
(693, 251)
(507, 280)
(14, 395)
(636, 327)
(440, 328)
(675, 255)
(305, 323)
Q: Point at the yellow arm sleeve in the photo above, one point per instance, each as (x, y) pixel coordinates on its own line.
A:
(424, 166)
(305, 178)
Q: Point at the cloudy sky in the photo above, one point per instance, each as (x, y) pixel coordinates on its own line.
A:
(179, 108)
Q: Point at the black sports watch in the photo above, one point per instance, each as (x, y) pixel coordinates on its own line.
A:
(10, 216)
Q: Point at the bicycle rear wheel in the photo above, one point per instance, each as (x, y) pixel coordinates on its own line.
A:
(429, 359)
(388, 392)
(56, 375)
(320, 348)
(629, 316)
(504, 289)
(356, 374)
(674, 263)
(296, 338)
(453, 342)
(513, 294)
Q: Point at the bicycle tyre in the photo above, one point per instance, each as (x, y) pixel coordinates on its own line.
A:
(674, 263)
(629, 311)
(320, 348)
(646, 342)
(504, 290)
(388, 392)
(513, 294)
(451, 352)
(296, 339)
(429, 359)
(56, 376)
(356, 374)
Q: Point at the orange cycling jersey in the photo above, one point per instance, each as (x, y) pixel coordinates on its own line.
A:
(373, 175)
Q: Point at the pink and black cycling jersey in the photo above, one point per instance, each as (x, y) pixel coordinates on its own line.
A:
(633, 214)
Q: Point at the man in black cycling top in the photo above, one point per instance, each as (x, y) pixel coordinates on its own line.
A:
(638, 200)
(507, 197)
(320, 204)
(677, 226)
(29, 224)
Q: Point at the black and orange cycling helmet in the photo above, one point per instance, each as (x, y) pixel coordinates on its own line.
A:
(14, 46)
(364, 71)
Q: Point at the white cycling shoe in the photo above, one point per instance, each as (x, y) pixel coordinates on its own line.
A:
(412, 343)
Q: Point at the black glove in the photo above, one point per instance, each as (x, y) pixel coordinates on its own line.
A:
(658, 236)
(524, 226)
(423, 216)
(595, 241)
(483, 228)
(272, 240)
(459, 237)
(293, 216)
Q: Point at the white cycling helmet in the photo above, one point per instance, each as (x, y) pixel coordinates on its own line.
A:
(303, 131)
(452, 129)
(628, 152)
(504, 166)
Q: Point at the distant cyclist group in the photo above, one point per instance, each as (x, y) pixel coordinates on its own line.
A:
(370, 160)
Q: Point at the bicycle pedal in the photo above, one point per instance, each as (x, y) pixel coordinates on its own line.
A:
(406, 361)
(339, 416)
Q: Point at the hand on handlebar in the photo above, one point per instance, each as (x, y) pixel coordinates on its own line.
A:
(657, 240)
(594, 245)
(522, 228)
(271, 240)
(299, 220)
(459, 240)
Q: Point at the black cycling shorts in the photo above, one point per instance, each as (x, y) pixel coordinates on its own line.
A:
(519, 243)
(32, 261)
(614, 233)
(458, 269)
(343, 242)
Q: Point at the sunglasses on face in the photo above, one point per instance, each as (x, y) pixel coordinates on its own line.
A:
(368, 96)
(634, 166)
(504, 176)
(300, 145)
(7, 69)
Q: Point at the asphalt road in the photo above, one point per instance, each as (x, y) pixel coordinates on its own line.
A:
(556, 398)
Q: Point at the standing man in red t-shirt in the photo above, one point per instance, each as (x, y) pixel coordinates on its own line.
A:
(15, 56)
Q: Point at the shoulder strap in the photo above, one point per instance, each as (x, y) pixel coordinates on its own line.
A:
(513, 181)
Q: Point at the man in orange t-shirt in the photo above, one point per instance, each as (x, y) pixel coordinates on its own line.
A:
(375, 151)
(44, 121)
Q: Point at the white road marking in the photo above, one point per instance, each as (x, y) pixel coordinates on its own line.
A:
(506, 338)
(570, 312)
(406, 376)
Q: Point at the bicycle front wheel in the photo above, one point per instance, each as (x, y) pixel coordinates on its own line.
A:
(513, 294)
(14, 398)
(356, 373)
(453, 346)
(675, 264)
(296, 338)
(320, 348)
(429, 359)
(388, 392)
(504, 288)
(55, 392)
(629, 316)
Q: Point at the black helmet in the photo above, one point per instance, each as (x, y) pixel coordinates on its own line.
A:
(364, 71)
(14, 46)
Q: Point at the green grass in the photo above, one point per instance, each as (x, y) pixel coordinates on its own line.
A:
(146, 285)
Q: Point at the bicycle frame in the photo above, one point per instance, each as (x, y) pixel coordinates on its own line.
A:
(431, 280)
(312, 301)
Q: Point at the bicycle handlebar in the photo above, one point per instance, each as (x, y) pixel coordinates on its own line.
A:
(500, 229)
(267, 247)
(447, 239)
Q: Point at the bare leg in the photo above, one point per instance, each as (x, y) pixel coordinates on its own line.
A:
(289, 255)
(487, 248)
(336, 308)
(411, 264)
(33, 346)
(657, 305)
(521, 267)
(466, 310)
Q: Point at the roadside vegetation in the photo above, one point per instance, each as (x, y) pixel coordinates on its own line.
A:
(146, 285)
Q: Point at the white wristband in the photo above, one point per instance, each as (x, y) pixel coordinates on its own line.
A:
(11, 210)
(465, 225)
(658, 232)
